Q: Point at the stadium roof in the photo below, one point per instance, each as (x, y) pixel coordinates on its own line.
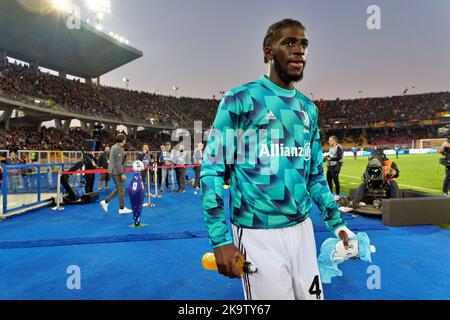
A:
(42, 36)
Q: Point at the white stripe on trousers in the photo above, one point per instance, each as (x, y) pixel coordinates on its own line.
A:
(286, 259)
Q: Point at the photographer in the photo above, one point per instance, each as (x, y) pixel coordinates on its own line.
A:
(445, 150)
(335, 160)
(389, 172)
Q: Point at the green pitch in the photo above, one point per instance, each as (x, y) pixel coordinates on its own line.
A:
(417, 172)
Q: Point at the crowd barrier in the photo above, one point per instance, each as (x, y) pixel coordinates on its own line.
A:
(33, 184)
(50, 157)
(25, 186)
(147, 169)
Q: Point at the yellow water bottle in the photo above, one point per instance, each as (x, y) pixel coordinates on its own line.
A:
(209, 263)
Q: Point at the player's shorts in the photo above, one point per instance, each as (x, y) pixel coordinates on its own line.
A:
(286, 260)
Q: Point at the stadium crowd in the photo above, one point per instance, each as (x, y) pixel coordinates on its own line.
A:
(18, 81)
(365, 112)
(54, 140)
(75, 96)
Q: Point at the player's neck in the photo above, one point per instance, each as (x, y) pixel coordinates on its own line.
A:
(275, 78)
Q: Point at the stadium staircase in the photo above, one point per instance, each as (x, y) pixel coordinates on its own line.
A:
(128, 118)
(117, 109)
(124, 115)
(185, 121)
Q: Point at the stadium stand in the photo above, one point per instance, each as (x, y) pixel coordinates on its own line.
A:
(18, 80)
(74, 96)
(77, 97)
(370, 111)
(53, 139)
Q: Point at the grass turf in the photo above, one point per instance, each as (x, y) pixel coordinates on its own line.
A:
(418, 172)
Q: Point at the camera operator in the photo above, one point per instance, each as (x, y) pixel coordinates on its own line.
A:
(445, 150)
(335, 160)
(390, 173)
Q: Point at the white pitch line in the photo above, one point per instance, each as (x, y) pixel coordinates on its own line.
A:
(400, 184)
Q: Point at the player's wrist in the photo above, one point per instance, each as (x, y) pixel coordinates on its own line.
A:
(222, 244)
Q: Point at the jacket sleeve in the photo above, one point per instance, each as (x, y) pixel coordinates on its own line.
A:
(394, 166)
(218, 149)
(318, 187)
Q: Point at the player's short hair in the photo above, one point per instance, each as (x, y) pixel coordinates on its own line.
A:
(121, 138)
(274, 30)
(334, 138)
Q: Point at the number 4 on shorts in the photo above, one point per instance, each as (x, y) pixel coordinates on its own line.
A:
(315, 288)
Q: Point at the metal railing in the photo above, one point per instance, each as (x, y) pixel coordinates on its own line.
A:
(25, 186)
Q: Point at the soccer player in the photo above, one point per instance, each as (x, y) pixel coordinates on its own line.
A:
(397, 150)
(355, 152)
(272, 196)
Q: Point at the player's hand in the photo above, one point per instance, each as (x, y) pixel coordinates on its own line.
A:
(344, 237)
(124, 178)
(226, 260)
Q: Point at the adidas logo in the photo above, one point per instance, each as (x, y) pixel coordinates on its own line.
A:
(271, 116)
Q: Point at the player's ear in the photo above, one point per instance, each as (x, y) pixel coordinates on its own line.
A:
(268, 55)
